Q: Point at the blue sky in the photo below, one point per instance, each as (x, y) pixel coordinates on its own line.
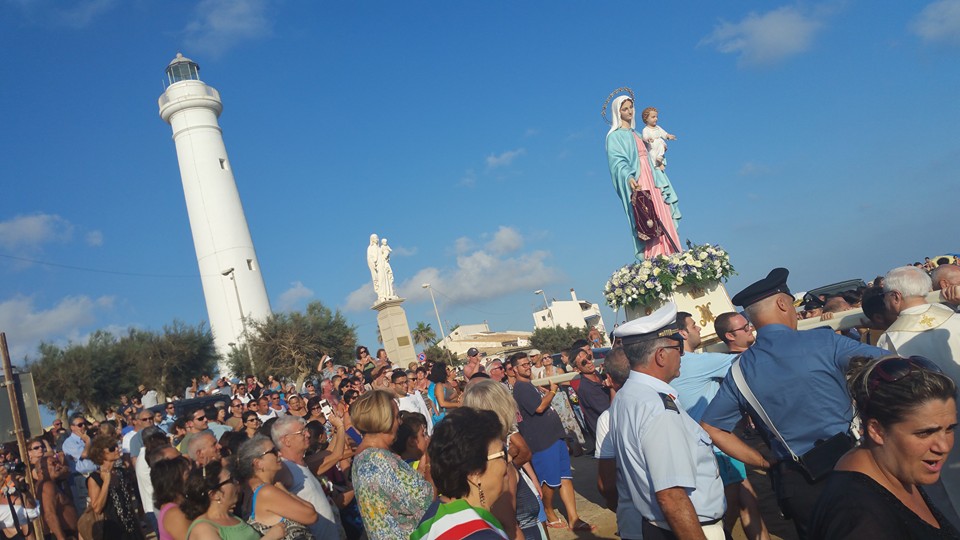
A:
(819, 136)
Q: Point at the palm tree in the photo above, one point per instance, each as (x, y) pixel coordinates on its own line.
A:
(423, 334)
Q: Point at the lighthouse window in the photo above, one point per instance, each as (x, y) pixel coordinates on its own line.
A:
(224, 165)
(249, 264)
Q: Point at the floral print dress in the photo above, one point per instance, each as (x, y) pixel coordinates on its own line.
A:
(392, 496)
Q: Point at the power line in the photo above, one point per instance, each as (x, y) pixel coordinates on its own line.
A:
(94, 270)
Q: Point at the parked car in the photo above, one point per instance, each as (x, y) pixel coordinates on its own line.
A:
(181, 406)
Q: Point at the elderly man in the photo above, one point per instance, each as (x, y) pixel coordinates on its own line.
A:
(75, 449)
(946, 279)
(931, 330)
(495, 370)
(290, 436)
(665, 461)
(617, 367)
(203, 449)
(734, 331)
(798, 378)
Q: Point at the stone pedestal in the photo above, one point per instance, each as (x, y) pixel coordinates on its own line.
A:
(703, 303)
(395, 331)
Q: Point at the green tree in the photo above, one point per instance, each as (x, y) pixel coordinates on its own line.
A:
(423, 334)
(555, 339)
(289, 345)
(167, 362)
(89, 376)
(436, 353)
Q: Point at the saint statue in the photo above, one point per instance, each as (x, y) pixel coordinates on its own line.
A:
(648, 199)
(373, 253)
(384, 273)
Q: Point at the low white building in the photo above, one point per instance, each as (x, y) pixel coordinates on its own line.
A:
(486, 341)
(575, 312)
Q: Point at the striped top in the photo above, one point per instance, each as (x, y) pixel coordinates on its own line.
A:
(457, 520)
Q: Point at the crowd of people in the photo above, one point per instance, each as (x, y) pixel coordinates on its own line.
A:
(380, 451)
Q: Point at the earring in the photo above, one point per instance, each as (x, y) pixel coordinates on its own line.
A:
(483, 499)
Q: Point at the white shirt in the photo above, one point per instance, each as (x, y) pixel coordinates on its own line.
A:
(604, 446)
(306, 486)
(414, 403)
(143, 482)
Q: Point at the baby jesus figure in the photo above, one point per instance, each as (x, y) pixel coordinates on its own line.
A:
(655, 138)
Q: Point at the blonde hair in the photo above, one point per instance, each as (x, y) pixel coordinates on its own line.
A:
(489, 395)
(373, 412)
(646, 112)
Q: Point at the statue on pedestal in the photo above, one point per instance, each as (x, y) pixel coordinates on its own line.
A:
(645, 191)
(385, 272)
(378, 260)
(373, 253)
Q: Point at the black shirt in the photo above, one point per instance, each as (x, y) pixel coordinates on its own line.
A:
(854, 506)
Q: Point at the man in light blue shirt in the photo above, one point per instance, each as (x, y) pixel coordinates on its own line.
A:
(665, 461)
(75, 449)
(697, 384)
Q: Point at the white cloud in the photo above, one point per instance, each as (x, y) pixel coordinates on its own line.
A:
(939, 22)
(478, 275)
(504, 159)
(26, 325)
(31, 232)
(505, 240)
(94, 238)
(767, 38)
(753, 168)
(222, 24)
(462, 245)
(401, 251)
(292, 297)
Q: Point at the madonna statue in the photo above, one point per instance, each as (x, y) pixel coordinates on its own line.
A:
(650, 208)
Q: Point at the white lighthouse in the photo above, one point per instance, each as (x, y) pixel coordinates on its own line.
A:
(229, 270)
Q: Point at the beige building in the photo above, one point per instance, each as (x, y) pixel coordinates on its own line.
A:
(575, 312)
(485, 340)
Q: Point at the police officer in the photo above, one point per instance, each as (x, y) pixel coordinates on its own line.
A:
(798, 380)
(667, 478)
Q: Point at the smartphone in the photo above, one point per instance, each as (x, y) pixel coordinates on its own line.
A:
(325, 408)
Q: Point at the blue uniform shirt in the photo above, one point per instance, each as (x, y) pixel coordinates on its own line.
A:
(699, 380)
(798, 378)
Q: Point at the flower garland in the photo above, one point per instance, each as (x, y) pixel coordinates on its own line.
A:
(649, 282)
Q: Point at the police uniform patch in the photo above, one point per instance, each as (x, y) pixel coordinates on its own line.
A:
(668, 403)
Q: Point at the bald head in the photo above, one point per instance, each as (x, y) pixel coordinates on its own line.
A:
(776, 309)
(945, 275)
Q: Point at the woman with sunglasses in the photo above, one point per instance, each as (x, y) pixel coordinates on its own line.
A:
(251, 423)
(469, 467)
(258, 463)
(908, 412)
(210, 495)
(112, 492)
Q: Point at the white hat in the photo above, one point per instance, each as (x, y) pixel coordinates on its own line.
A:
(660, 323)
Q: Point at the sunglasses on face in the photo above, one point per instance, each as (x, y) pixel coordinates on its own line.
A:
(225, 482)
(35, 448)
(200, 419)
(80, 424)
(273, 451)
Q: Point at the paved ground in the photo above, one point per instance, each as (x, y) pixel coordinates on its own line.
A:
(590, 506)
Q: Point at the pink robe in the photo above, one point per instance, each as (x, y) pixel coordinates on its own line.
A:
(661, 245)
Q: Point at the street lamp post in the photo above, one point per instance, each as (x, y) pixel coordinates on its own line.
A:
(545, 304)
(435, 310)
(243, 318)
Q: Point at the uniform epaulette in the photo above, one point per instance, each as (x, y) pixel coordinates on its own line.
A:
(668, 403)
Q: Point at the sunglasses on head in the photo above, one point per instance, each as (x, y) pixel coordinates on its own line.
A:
(891, 370)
